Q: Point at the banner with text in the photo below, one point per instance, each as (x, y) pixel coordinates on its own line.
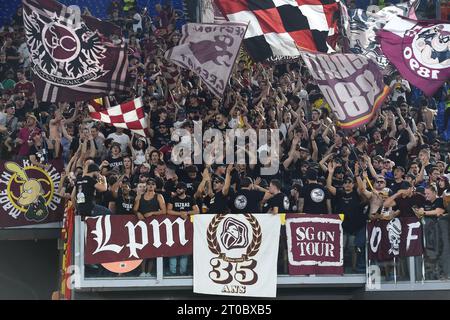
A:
(236, 254)
(29, 194)
(124, 238)
(314, 244)
(399, 237)
(352, 84)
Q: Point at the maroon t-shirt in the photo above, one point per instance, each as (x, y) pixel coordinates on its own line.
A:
(405, 205)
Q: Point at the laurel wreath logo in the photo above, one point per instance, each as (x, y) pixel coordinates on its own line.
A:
(213, 243)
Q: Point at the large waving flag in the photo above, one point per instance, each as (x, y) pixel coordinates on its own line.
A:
(129, 115)
(420, 50)
(352, 84)
(360, 27)
(209, 50)
(72, 58)
(278, 27)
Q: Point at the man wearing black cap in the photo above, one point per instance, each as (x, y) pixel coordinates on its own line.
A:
(405, 199)
(217, 198)
(349, 202)
(183, 206)
(314, 198)
(85, 188)
(248, 198)
(191, 178)
(399, 152)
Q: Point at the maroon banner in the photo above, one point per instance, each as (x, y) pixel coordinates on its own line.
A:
(399, 237)
(125, 238)
(72, 57)
(29, 194)
(315, 244)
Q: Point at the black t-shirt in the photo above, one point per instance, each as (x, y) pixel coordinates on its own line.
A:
(185, 204)
(246, 201)
(279, 200)
(124, 205)
(405, 205)
(429, 206)
(218, 203)
(399, 155)
(350, 205)
(41, 154)
(394, 186)
(115, 162)
(315, 196)
(85, 195)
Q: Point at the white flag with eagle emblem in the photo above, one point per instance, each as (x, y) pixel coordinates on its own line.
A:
(236, 254)
(209, 50)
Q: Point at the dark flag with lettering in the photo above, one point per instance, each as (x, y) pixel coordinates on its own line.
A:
(399, 237)
(352, 84)
(209, 50)
(72, 57)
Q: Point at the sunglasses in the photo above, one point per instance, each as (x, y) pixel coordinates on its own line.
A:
(217, 181)
(381, 182)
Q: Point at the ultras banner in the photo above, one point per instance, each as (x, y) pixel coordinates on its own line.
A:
(399, 237)
(29, 194)
(315, 244)
(124, 238)
(236, 254)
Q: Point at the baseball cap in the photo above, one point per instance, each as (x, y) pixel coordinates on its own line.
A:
(181, 185)
(93, 167)
(191, 168)
(115, 144)
(311, 174)
(405, 185)
(31, 115)
(349, 178)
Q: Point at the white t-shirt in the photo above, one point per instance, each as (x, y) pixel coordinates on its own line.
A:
(398, 90)
(122, 139)
(137, 25)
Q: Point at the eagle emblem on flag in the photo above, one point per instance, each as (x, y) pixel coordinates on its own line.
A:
(63, 55)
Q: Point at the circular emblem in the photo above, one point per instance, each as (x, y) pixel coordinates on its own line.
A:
(317, 195)
(286, 203)
(240, 202)
(30, 190)
(234, 236)
(431, 46)
(60, 42)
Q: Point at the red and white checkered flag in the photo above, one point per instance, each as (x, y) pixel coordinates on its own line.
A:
(129, 115)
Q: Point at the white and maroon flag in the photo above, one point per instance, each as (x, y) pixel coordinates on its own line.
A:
(352, 84)
(71, 55)
(315, 244)
(129, 115)
(209, 50)
(420, 50)
(236, 254)
(278, 27)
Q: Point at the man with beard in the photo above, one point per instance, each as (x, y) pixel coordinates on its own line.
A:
(183, 206)
(376, 197)
(123, 198)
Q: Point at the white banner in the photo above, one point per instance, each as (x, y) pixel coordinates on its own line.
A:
(236, 254)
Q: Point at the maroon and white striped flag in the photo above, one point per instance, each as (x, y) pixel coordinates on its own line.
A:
(129, 115)
(71, 55)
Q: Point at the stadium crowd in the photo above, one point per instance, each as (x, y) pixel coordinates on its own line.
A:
(396, 165)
